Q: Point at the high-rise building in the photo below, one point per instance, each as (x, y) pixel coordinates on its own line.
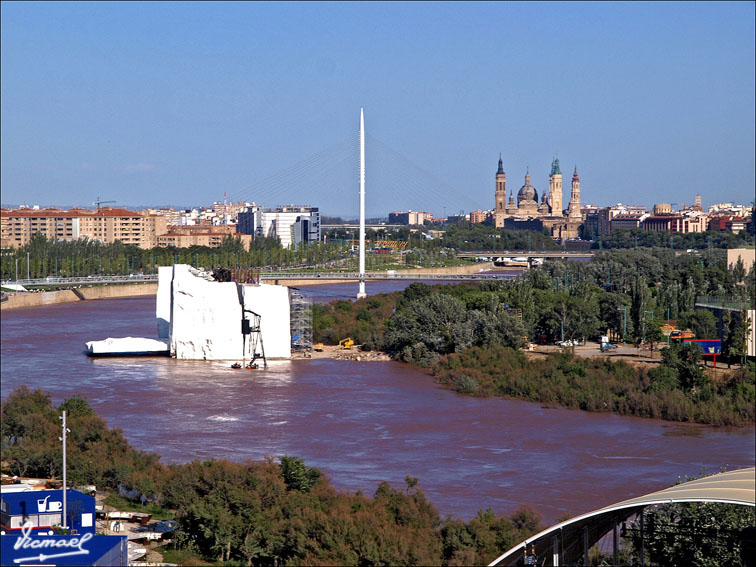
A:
(291, 224)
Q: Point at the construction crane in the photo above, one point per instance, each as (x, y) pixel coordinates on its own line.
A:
(98, 203)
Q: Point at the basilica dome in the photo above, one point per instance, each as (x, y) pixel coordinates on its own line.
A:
(527, 192)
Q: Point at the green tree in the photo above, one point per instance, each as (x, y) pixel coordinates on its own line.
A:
(640, 296)
(735, 344)
(701, 321)
(685, 359)
(297, 475)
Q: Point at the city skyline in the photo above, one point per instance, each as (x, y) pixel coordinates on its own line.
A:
(176, 104)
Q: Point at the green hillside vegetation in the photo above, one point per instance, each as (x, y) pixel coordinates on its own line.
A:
(274, 512)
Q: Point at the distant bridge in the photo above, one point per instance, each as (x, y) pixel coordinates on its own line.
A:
(525, 253)
(349, 226)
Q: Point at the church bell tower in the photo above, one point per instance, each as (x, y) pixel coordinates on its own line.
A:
(574, 209)
(555, 189)
(501, 195)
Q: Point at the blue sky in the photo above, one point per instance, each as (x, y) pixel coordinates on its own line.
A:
(175, 104)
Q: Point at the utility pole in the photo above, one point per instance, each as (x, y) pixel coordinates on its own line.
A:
(65, 487)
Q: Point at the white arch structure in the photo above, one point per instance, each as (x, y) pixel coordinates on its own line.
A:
(566, 542)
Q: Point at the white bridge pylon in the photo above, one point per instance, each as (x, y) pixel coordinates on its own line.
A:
(361, 291)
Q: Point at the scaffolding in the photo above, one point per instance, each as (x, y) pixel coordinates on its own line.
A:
(300, 321)
(251, 329)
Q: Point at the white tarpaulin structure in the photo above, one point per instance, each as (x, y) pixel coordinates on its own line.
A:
(204, 318)
(201, 319)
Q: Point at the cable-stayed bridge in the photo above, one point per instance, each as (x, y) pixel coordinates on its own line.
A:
(328, 179)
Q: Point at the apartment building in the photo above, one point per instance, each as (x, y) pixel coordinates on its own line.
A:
(727, 223)
(200, 235)
(480, 216)
(626, 221)
(106, 225)
(410, 217)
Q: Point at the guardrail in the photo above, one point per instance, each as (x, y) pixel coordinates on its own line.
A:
(381, 276)
(335, 276)
(527, 253)
(89, 280)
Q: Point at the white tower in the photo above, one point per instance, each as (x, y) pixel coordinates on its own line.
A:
(361, 293)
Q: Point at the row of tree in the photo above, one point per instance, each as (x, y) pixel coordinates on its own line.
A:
(42, 257)
(636, 237)
(275, 512)
(629, 293)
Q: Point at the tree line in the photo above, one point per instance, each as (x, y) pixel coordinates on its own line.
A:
(42, 257)
(629, 293)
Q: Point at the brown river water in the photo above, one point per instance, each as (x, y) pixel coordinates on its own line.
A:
(360, 422)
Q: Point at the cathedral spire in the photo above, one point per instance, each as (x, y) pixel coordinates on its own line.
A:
(575, 175)
(501, 166)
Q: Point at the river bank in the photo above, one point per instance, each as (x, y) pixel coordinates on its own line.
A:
(37, 299)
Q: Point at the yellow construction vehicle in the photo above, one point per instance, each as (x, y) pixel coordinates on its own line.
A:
(346, 343)
(318, 347)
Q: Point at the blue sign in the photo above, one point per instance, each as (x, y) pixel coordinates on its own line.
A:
(708, 347)
(65, 550)
(43, 509)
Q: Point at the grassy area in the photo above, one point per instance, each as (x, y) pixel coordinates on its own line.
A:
(125, 505)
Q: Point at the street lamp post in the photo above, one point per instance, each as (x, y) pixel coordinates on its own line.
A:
(624, 323)
(16, 270)
(644, 324)
(669, 332)
(65, 487)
